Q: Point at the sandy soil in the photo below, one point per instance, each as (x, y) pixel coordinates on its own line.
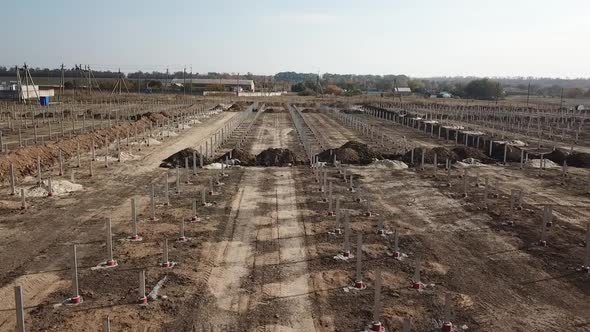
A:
(260, 257)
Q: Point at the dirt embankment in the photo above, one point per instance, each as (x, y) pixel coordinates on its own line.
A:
(267, 158)
(442, 154)
(25, 159)
(351, 152)
(179, 159)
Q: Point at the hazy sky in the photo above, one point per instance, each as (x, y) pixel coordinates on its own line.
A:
(419, 38)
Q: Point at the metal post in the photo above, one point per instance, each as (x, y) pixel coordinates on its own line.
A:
(20, 312)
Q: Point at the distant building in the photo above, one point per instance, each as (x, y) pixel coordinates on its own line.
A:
(444, 94)
(403, 91)
(201, 84)
(11, 91)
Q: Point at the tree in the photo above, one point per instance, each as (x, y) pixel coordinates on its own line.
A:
(215, 87)
(298, 87)
(333, 90)
(573, 93)
(483, 89)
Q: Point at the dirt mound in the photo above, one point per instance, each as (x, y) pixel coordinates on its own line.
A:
(352, 111)
(236, 108)
(351, 153)
(464, 152)
(579, 159)
(178, 159)
(557, 156)
(277, 157)
(245, 158)
(442, 154)
(25, 159)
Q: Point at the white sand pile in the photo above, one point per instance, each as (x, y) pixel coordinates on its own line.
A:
(126, 156)
(388, 164)
(454, 127)
(194, 121)
(168, 133)
(213, 166)
(151, 141)
(473, 132)
(536, 163)
(430, 121)
(469, 162)
(513, 142)
(59, 187)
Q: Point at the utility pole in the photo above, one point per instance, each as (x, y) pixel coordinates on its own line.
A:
(184, 81)
(167, 78)
(190, 87)
(561, 100)
(61, 83)
(528, 94)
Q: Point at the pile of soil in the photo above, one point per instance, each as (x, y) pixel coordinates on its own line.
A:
(464, 152)
(237, 107)
(25, 159)
(442, 154)
(352, 111)
(178, 159)
(579, 159)
(557, 156)
(310, 110)
(245, 158)
(277, 157)
(351, 152)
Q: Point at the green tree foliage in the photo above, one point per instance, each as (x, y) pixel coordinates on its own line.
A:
(483, 89)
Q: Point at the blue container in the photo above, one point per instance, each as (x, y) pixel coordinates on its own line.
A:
(44, 101)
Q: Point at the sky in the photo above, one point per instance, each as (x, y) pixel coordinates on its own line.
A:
(419, 38)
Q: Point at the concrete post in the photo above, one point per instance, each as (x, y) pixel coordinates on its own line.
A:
(358, 282)
(49, 187)
(20, 312)
(435, 164)
(194, 163)
(406, 325)
(167, 190)
(110, 260)
(182, 237)
(142, 297)
(12, 181)
(106, 324)
(586, 265)
(39, 180)
(134, 232)
(422, 160)
(505, 152)
(465, 183)
(76, 298)
(61, 163)
(491, 147)
(93, 150)
(203, 198)
(346, 252)
(78, 155)
(23, 200)
(376, 324)
(165, 260)
(486, 193)
(521, 159)
(380, 225)
(152, 203)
